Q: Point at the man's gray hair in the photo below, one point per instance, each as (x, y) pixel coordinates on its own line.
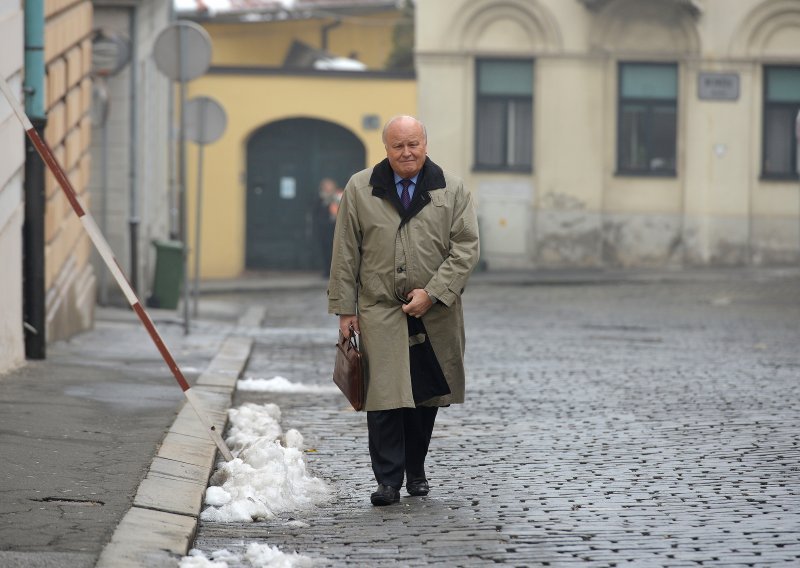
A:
(401, 116)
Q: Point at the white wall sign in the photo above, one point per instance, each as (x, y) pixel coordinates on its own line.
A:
(288, 188)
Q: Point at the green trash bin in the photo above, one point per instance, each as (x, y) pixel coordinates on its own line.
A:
(168, 276)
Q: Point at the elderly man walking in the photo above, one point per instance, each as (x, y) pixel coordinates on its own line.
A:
(406, 241)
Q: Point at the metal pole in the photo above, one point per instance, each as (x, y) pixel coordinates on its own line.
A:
(107, 255)
(133, 171)
(182, 178)
(198, 217)
(33, 263)
(33, 229)
(172, 198)
(797, 168)
(104, 204)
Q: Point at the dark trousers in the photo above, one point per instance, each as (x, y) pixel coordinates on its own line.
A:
(398, 443)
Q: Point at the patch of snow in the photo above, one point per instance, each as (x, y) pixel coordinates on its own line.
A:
(280, 384)
(293, 439)
(256, 555)
(196, 559)
(265, 477)
(217, 496)
(251, 421)
(266, 556)
(213, 6)
(339, 64)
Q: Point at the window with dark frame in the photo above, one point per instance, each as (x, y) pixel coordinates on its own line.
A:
(504, 115)
(647, 120)
(781, 105)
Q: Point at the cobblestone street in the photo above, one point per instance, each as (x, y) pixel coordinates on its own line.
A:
(641, 423)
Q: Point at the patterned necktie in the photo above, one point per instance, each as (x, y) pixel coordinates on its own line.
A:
(405, 197)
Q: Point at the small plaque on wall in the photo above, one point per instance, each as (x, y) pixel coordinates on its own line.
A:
(288, 187)
(718, 86)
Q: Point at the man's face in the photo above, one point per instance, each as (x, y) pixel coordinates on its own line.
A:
(406, 147)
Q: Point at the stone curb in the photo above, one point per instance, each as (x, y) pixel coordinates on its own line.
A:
(159, 528)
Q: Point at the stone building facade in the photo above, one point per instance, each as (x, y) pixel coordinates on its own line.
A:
(618, 132)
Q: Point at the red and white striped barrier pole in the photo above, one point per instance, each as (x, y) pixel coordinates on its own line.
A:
(107, 255)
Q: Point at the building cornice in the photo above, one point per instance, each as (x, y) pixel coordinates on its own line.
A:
(252, 70)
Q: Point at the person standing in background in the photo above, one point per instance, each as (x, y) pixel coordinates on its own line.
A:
(325, 210)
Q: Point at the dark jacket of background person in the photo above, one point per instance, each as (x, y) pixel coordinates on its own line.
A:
(324, 221)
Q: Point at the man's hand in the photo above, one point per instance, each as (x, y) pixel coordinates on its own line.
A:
(419, 303)
(345, 321)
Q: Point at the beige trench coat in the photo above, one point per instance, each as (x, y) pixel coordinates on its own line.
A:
(380, 254)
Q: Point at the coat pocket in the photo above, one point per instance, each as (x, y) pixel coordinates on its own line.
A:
(438, 198)
(372, 291)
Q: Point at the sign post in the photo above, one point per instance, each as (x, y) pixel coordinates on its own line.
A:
(182, 52)
(205, 122)
(797, 168)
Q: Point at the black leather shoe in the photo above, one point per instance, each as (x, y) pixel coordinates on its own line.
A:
(418, 487)
(385, 495)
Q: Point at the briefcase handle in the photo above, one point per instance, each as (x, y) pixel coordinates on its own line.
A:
(351, 340)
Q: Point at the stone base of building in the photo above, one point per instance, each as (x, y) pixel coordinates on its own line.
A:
(582, 239)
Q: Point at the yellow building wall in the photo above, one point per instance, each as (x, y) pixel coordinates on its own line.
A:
(251, 102)
(267, 43)
(69, 278)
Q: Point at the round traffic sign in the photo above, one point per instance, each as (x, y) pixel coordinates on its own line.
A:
(204, 119)
(182, 51)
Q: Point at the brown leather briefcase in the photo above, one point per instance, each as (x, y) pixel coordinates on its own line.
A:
(348, 371)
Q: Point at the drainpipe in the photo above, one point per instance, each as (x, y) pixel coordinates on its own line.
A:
(33, 263)
(133, 210)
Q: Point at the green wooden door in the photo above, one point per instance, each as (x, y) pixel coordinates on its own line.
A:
(285, 162)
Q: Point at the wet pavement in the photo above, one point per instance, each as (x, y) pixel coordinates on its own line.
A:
(650, 423)
(79, 431)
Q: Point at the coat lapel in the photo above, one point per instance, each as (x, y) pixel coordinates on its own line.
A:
(431, 177)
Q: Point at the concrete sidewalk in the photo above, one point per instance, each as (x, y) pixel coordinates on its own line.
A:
(103, 464)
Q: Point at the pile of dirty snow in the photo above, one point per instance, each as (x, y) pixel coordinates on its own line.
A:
(268, 473)
(257, 555)
(280, 384)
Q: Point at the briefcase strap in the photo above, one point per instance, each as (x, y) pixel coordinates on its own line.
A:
(352, 342)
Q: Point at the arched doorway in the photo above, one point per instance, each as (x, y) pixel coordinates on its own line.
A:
(286, 160)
